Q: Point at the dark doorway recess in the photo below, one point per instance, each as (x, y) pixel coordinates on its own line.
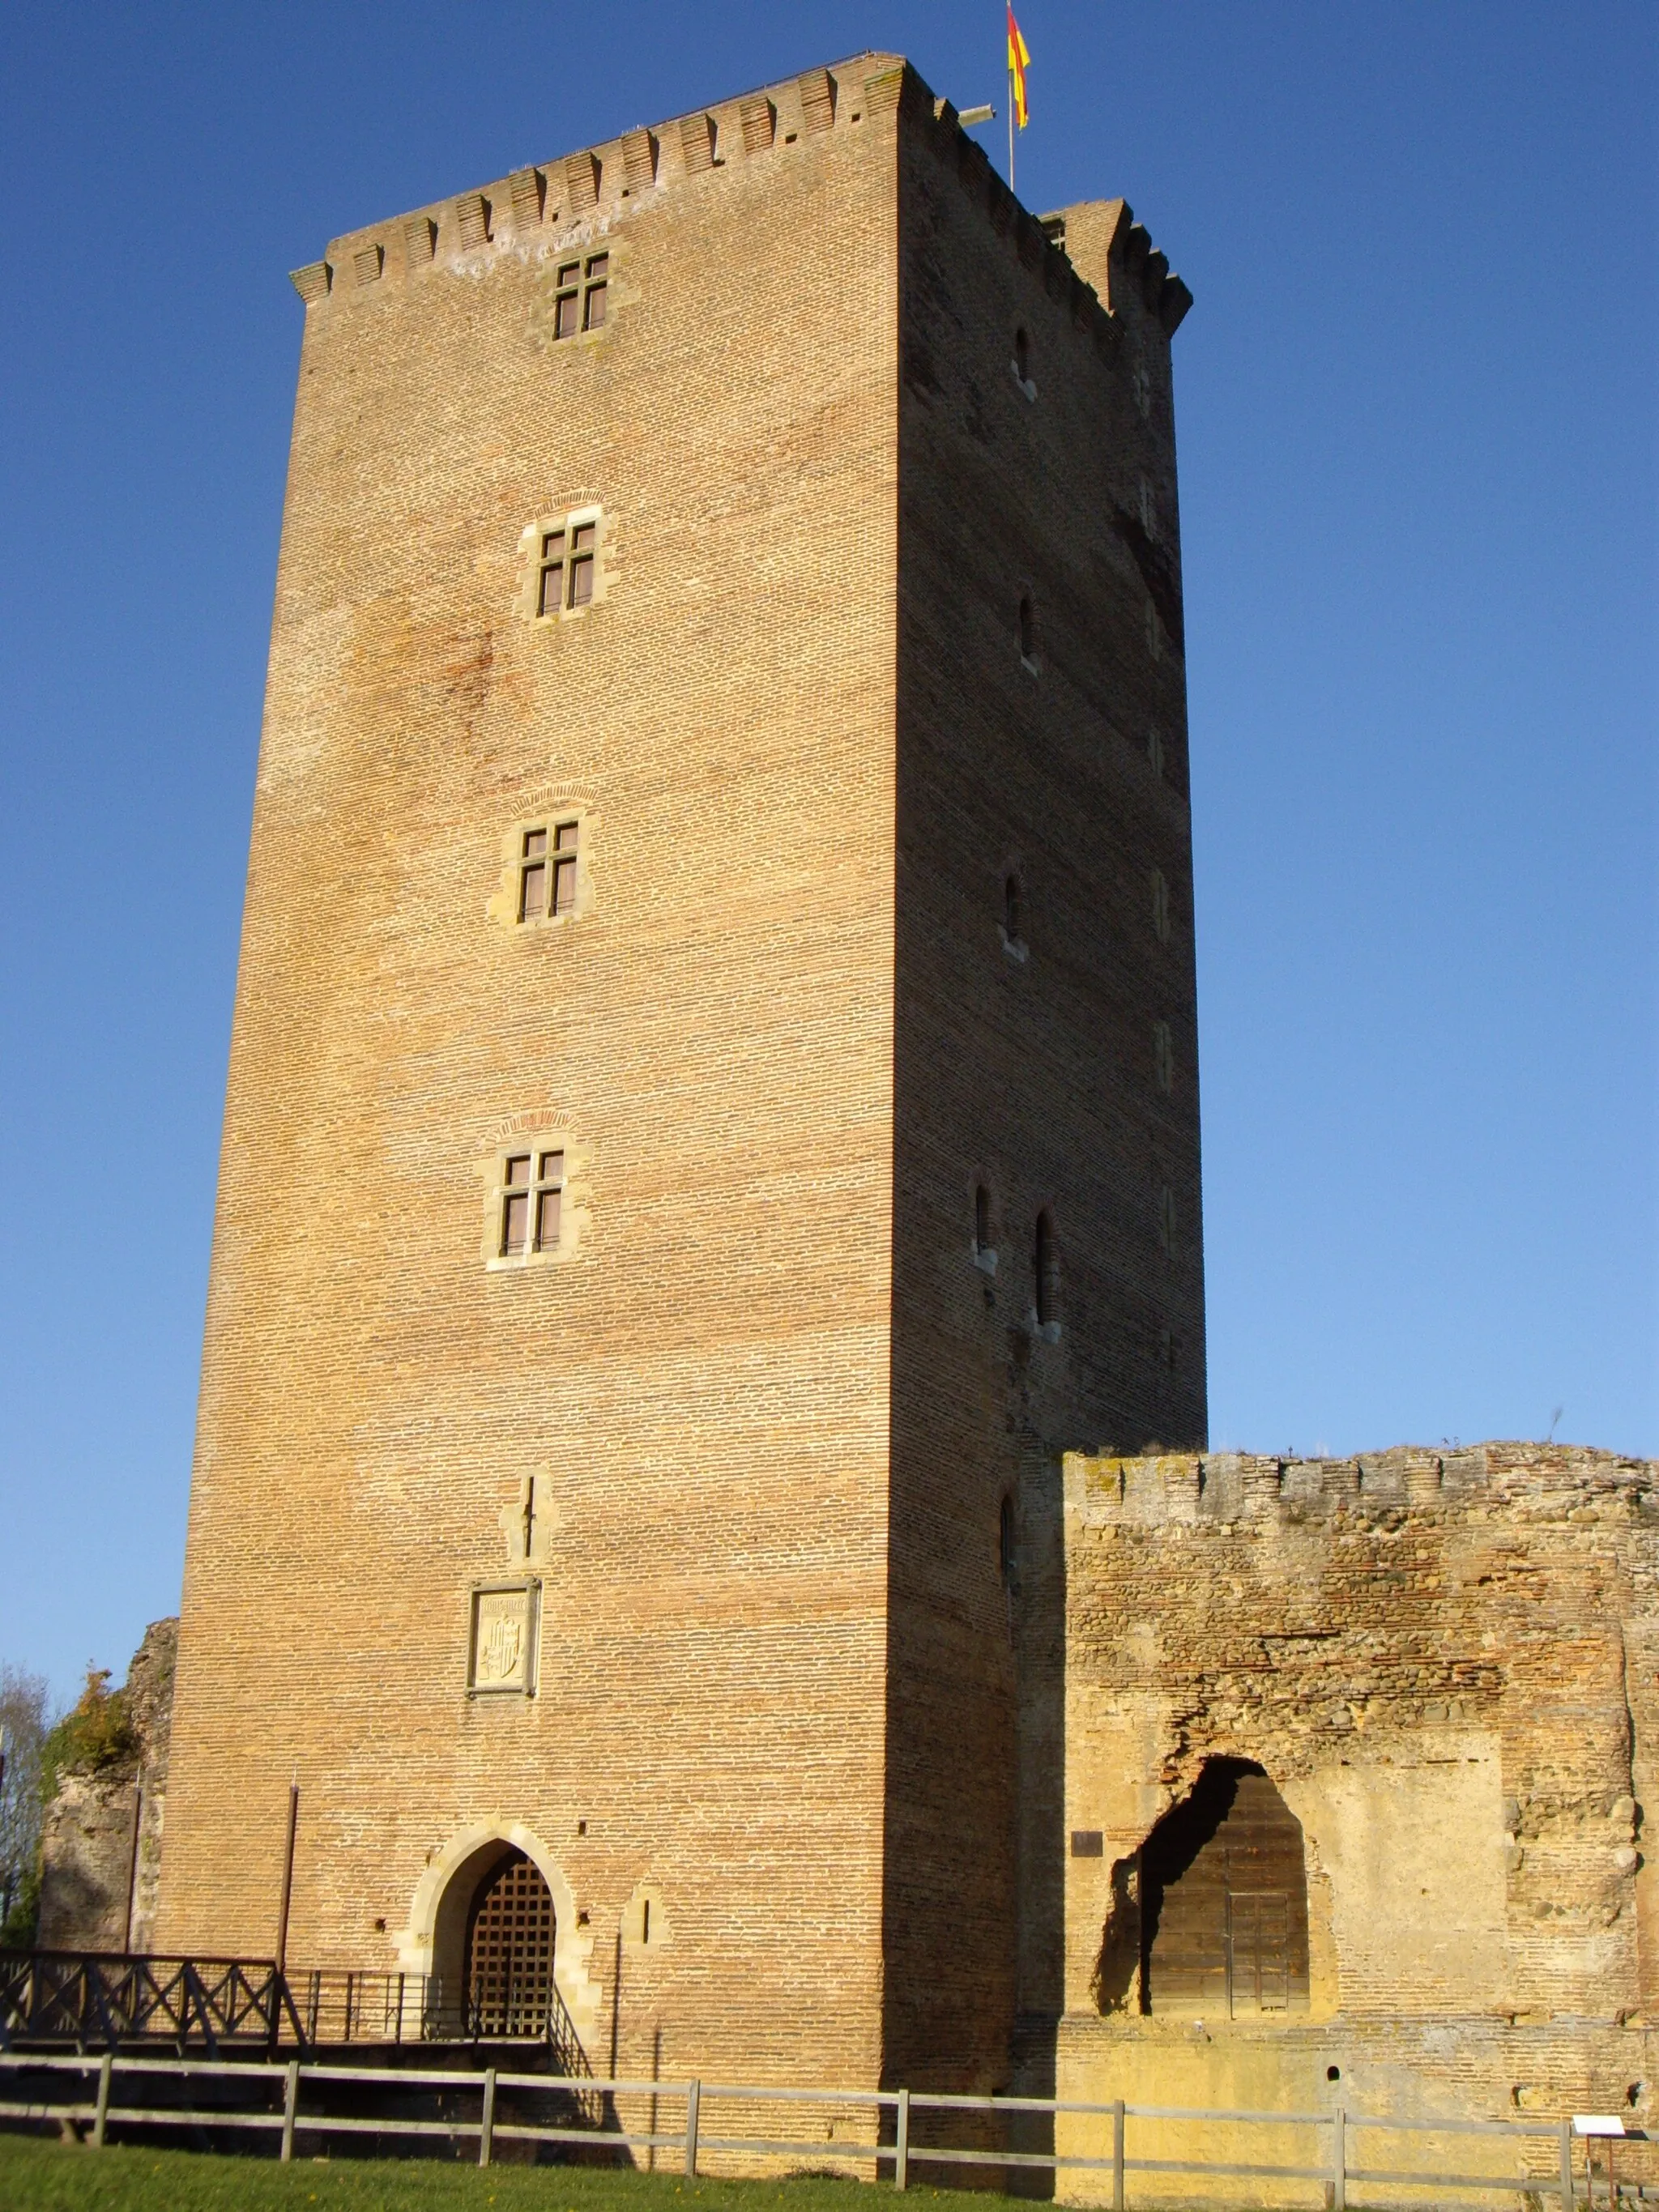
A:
(509, 1950)
(1224, 1929)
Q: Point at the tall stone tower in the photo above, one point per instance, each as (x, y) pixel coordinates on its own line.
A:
(713, 1107)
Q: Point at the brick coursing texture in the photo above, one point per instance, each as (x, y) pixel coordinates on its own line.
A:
(89, 1875)
(1449, 1664)
(772, 1404)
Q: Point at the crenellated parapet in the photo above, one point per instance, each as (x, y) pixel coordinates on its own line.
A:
(559, 202)
(1094, 258)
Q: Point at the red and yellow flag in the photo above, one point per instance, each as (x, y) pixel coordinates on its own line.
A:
(1018, 62)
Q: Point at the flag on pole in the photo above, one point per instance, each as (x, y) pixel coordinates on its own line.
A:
(1018, 62)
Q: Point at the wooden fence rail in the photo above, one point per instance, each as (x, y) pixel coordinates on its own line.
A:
(268, 2097)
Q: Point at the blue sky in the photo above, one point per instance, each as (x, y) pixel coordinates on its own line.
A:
(1417, 424)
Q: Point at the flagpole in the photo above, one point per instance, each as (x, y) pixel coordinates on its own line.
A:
(1011, 127)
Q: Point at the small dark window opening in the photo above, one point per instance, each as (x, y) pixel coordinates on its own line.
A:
(1045, 1267)
(1010, 910)
(1027, 628)
(1008, 1549)
(1023, 357)
(645, 1920)
(982, 1219)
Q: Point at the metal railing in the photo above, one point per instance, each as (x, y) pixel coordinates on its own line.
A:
(287, 2100)
(343, 2008)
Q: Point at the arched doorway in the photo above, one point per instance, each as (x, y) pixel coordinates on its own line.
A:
(510, 1931)
(1224, 1886)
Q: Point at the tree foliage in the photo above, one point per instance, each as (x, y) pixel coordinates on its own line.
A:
(23, 1722)
(96, 1733)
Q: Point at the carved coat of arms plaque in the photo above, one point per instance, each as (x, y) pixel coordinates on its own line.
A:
(501, 1650)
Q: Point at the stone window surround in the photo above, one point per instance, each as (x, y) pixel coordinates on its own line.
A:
(531, 541)
(582, 277)
(535, 1134)
(644, 1919)
(532, 1182)
(503, 906)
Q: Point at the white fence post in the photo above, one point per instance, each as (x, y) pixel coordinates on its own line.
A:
(901, 2142)
(290, 2105)
(102, 2114)
(1117, 2156)
(487, 2126)
(1339, 2161)
(693, 2096)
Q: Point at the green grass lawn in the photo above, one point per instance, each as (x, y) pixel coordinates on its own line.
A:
(52, 2177)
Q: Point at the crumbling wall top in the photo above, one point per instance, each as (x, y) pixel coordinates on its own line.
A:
(1532, 1481)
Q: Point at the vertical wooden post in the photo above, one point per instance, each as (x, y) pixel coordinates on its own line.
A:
(693, 2097)
(1117, 2155)
(1566, 2166)
(102, 2115)
(133, 1863)
(1339, 2161)
(901, 2142)
(656, 2075)
(288, 1875)
(290, 2106)
(487, 2129)
(401, 2008)
(615, 2005)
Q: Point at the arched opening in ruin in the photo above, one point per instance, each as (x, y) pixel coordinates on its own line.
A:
(1224, 1901)
(510, 1932)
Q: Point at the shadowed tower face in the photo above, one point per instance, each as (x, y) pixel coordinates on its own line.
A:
(712, 1104)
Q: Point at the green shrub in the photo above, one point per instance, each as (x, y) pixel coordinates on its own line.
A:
(95, 1733)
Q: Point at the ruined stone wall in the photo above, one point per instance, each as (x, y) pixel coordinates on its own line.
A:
(1446, 1664)
(97, 1892)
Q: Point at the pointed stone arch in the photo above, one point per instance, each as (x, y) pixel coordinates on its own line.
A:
(434, 1942)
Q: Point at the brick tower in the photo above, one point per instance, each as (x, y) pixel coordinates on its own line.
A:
(713, 1107)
